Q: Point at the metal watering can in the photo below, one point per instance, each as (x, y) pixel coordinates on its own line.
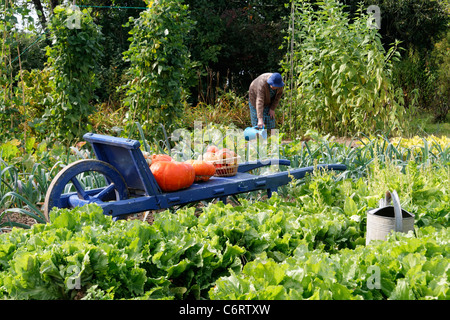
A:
(251, 133)
(387, 218)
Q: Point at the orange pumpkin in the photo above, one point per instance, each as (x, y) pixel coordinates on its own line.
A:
(203, 169)
(173, 175)
(161, 157)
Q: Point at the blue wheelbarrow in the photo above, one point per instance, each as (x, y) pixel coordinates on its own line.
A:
(130, 187)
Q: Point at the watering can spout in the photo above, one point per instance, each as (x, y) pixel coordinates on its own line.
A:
(251, 133)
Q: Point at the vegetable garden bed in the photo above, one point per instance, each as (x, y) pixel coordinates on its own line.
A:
(306, 242)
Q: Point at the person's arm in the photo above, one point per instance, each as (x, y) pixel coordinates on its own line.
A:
(260, 99)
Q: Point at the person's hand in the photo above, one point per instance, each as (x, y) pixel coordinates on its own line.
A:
(260, 123)
(272, 113)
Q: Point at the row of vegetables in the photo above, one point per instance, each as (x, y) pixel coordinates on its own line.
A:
(307, 242)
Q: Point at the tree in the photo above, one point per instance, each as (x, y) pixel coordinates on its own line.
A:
(41, 12)
(416, 23)
(234, 41)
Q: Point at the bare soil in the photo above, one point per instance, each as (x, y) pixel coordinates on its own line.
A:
(26, 220)
(16, 217)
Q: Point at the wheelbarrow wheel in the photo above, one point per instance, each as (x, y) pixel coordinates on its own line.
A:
(115, 189)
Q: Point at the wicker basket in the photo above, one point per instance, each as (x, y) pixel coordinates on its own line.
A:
(226, 167)
(228, 171)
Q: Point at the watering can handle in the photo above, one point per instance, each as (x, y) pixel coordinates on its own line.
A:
(397, 209)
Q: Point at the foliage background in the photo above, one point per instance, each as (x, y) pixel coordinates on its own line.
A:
(230, 43)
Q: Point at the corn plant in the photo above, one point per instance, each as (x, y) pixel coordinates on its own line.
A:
(338, 73)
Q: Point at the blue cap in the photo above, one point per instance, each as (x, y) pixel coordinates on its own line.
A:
(275, 80)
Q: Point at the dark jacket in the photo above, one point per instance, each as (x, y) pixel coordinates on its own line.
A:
(259, 94)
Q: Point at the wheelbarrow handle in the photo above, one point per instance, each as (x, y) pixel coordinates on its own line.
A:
(247, 166)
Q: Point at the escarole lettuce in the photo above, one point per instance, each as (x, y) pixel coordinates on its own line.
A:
(403, 267)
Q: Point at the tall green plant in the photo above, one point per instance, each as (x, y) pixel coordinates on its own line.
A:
(72, 59)
(160, 64)
(10, 93)
(338, 72)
